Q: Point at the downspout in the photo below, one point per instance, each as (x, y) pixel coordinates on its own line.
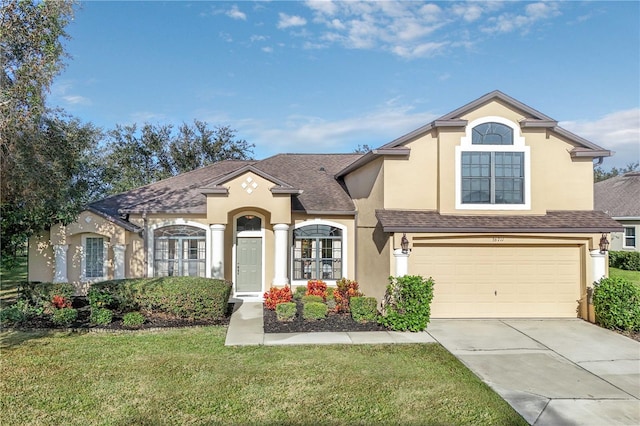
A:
(600, 160)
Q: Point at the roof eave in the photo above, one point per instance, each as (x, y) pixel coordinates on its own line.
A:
(120, 222)
(481, 230)
(327, 212)
(591, 153)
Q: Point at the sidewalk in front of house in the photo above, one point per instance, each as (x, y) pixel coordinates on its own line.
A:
(552, 372)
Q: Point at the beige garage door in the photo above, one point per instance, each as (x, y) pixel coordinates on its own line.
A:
(495, 282)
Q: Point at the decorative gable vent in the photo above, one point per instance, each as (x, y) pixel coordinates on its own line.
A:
(249, 185)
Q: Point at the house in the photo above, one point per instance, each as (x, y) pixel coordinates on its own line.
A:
(619, 197)
(493, 200)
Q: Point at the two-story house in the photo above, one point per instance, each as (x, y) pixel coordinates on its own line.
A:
(493, 200)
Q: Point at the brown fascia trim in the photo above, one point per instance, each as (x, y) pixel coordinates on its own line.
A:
(214, 190)
(450, 123)
(123, 223)
(279, 190)
(580, 140)
(592, 154)
(398, 152)
(370, 156)
(531, 123)
(431, 230)
(327, 213)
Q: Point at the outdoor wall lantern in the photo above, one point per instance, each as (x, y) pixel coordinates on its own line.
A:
(604, 244)
(404, 243)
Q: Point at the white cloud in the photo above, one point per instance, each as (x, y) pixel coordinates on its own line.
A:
(267, 49)
(287, 21)
(77, 100)
(618, 131)
(235, 13)
(534, 12)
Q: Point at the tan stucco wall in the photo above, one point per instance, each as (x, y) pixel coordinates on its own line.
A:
(41, 258)
(366, 188)
(374, 261)
(279, 205)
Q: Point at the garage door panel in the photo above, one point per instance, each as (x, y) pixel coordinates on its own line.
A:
(500, 281)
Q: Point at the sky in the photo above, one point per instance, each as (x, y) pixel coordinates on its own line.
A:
(323, 76)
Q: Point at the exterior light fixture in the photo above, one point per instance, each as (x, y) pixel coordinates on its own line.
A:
(604, 244)
(404, 243)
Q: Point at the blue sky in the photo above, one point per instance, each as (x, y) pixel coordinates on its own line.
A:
(327, 76)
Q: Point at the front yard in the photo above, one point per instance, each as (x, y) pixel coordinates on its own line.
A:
(188, 376)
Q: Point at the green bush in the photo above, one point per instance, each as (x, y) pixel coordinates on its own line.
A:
(314, 311)
(13, 314)
(133, 319)
(363, 309)
(101, 316)
(299, 292)
(627, 260)
(407, 303)
(286, 311)
(100, 297)
(64, 316)
(616, 302)
(312, 298)
(40, 295)
(191, 298)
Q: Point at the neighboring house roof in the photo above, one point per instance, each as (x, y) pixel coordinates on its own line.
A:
(583, 147)
(309, 177)
(619, 196)
(576, 221)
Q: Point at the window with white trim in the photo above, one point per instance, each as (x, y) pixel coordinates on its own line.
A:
(492, 167)
(179, 250)
(93, 257)
(630, 236)
(317, 252)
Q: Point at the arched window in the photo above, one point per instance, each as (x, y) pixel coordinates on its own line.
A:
(248, 223)
(179, 250)
(317, 252)
(492, 134)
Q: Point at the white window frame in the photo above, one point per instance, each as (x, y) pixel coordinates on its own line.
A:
(345, 251)
(466, 145)
(151, 243)
(83, 259)
(624, 237)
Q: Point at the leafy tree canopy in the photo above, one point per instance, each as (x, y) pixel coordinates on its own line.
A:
(599, 174)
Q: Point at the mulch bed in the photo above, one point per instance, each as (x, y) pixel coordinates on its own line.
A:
(333, 322)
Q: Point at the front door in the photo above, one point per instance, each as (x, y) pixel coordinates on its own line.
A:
(249, 265)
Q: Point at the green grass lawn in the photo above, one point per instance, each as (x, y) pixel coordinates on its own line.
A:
(188, 376)
(633, 276)
(9, 279)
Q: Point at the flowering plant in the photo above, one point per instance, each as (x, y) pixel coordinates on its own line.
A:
(60, 302)
(317, 288)
(275, 296)
(344, 291)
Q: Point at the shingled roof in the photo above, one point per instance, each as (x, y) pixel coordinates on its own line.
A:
(619, 196)
(577, 221)
(311, 176)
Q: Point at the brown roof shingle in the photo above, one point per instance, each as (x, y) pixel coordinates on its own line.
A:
(619, 196)
(574, 221)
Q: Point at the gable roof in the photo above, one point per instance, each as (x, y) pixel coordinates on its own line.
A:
(308, 177)
(534, 118)
(619, 196)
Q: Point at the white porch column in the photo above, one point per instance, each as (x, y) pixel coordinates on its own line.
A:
(402, 262)
(60, 273)
(598, 265)
(281, 234)
(217, 251)
(118, 261)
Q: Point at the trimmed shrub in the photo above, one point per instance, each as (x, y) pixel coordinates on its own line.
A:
(617, 304)
(407, 303)
(64, 316)
(14, 314)
(345, 290)
(627, 260)
(40, 296)
(286, 311)
(317, 288)
(276, 296)
(363, 309)
(133, 319)
(101, 316)
(101, 297)
(299, 292)
(311, 299)
(314, 311)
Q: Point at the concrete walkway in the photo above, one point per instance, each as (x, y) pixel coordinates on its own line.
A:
(553, 372)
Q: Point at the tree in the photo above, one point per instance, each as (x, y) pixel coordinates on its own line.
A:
(599, 174)
(38, 170)
(362, 149)
(135, 157)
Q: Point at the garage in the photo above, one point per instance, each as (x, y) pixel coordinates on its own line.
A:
(500, 281)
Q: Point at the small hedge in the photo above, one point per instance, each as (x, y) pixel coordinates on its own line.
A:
(190, 298)
(616, 302)
(363, 309)
(407, 303)
(627, 260)
(314, 311)
(310, 298)
(286, 311)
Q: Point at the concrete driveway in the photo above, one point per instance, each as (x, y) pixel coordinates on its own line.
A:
(553, 372)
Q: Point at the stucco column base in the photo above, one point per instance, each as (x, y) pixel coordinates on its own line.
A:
(402, 262)
(217, 251)
(118, 260)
